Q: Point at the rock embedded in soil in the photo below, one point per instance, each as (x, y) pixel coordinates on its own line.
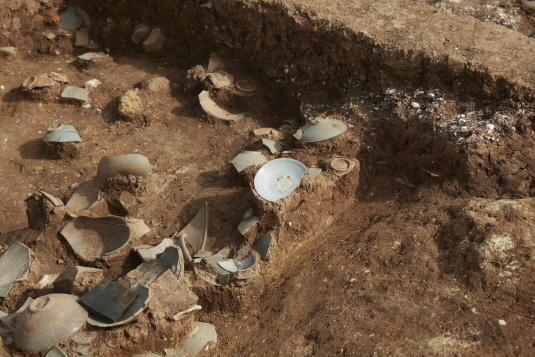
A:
(155, 41)
(156, 84)
(130, 106)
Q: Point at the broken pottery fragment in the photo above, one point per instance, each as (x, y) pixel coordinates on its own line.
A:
(92, 55)
(47, 321)
(61, 133)
(14, 266)
(7, 51)
(221, 79)
(147, 355)
(78, 280)
(341, 166)
(319, 131)
(263, 244)
(84, 15)
(233, 265)
(247, 158)
(247, 223)
(155, 41)
(195, 233)
(313, 172)
(175, 352)
(38, 81)
(56, 352)
(85, 196)
(213, 261)
(211, 108)
(138, 228)
(272, 145)
(71, 20)
(55, 201)
(11, 320)
(144, 274)
(58, 77)
(121, 165)
(133, 310)
(141, 32)
(172, 259)
(82, 38)
(75, 93)
(148, 253)
(108, 300)
(204, 334)
(94, 237)
(278, 178)
(171, 296)
(84, 338)
(46, 280)
(272, 133)
(245, 85)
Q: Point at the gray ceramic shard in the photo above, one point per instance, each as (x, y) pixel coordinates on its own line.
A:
(245, 86)
(221, 79)
(175, 353)
(82, 38)
(55, 201)
(263, 244)
(172, 259)
(11, 320)
(92, 55)
(211, 108)
(278, 178)
(312, 172)
(267, 131)
(155, 41)
(203, 254)
(108, 300)
(14, 266)
(138, 227)
(58, 77)
(178, 316)
(94, 237)
(47, 321)
(10, 50)
(195, 233)
(62, 133)
(84, 338)
(85, 196)
(84, 15)
(272, 145)
(248, 223)
(70, 19)
(144, 274)
(247, 158)
(234, 266)
(75, 93)
(148, 253)
(133, 310)
(323, 130)
(38, 81)
(214, 261)
(56, 352)
(204, 333)
(245, 277)
(121, 165)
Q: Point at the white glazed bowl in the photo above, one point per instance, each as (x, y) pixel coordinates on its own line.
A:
(278, 178)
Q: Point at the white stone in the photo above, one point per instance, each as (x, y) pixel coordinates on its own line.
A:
(92, 84)
(415, 105)
(502, 322)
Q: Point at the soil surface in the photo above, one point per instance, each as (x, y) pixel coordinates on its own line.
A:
(425, 248)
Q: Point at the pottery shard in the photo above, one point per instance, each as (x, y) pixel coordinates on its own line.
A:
(155, 41)
(141, 32)
(130, 105)
(125, 205)
(77, 280)
(172, 296)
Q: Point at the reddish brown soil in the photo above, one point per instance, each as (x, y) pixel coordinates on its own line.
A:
(426, 250)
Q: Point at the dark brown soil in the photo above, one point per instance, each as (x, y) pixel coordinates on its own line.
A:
(426, 249)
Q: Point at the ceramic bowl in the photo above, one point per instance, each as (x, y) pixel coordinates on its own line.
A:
(278, 178)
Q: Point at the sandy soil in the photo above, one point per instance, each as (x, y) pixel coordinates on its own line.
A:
(426, 250)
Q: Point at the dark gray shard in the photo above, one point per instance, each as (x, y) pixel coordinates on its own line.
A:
(172, 259)
(14, 266)
(108, 300)
(263, 244)
(195, 233)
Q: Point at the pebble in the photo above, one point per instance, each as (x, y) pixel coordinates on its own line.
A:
(502, 322)
(415, 105)
(2, 88)
(92, 84)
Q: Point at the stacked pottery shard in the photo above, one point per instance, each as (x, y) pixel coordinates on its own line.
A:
(121, 165)
(60, 141)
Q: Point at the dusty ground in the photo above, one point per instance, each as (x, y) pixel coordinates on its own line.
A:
(428, 250)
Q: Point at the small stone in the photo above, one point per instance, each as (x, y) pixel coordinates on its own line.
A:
(82, 38)
(155, 41)
(2, 88)
(502, 322)
(87, 105)
(155, 84)
(92, 84)
(141, 32)
(415, 105)
(129, 105)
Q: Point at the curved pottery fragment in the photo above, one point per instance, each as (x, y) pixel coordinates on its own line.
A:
(278, 178)
(71, 20)
(195, 233)
(341, 166)
(247, 158)
(121, 165)
(85, 196)
(61, 133)
(221, 79)
(211, 108)
(38, 81)
(94, 237)
(196, 340)
(323, 130)
(47, 321)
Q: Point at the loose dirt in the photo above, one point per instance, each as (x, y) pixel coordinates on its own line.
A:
(425, 248)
